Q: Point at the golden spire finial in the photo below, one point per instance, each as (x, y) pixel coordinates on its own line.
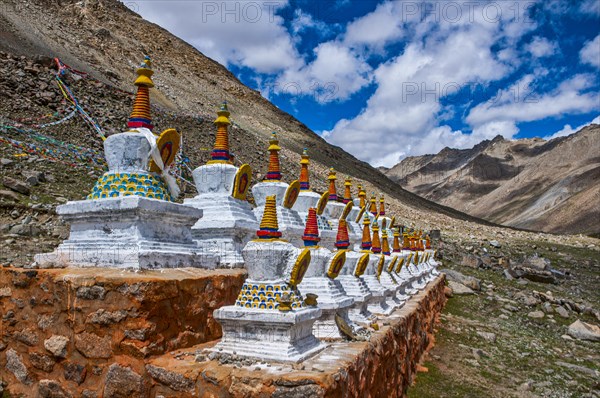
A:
(373, 206)
(347, 190)
(362, 195)
(332, 190)
(220, 152)
(376, 248)
(140, 115)
(269, 227)
(304, 176)
(381, 206)
(274, 171)
(366, 238)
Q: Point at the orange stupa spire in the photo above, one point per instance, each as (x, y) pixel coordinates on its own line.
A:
(385, 244)
(376, 248)
(381, 206)
(269, 227)
(366, 238)
(342, 241)
(140, 115)
(304, 178)
(311, 231)
(274, 171)
(373, 206)
(347, 191)
(362, 196)
(332, 190)
(396, 244)
(406, 242)
(220, 152)
(427, 242)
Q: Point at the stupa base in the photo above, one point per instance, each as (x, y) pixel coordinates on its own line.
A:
(225, 228)
(128, 232)
(268, 335)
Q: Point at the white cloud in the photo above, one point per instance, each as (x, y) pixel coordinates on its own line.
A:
(334, 74)
(522, 105)
(236, 32)
(590, 53)
(591, 7)
(376, 29)
(568, 130)
(541, 47)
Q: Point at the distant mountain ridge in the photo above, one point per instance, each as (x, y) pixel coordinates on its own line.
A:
(548, 185)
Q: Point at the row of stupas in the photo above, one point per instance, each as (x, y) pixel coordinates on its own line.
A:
(320, 267)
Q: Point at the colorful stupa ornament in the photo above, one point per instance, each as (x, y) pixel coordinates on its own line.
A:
(311, 231)
(269, 227)
(220, 152)
(373, 206)
(381, 206)
(274, 171)
(304, 177)
(376, 247)
(427, 242)
(332, 190)
(362, 196)
(347, 191)
(140, 116)
(396, 245)
(342, 241)
(366, 243)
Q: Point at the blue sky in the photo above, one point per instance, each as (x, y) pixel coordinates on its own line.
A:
(389, 79)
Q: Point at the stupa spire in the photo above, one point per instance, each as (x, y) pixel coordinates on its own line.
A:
(347, 190)
(220, 152)
(396, 245)
(366, 238)
(304, 177)
(311, 231)
(269, 227)
(406, 242)
(140, 115)
(381, 206)
(342, 241)
(332, 190)
(385, 245)
(373, 205)
(427, 242)
(274, 171)
(376, 248)
(362, 196)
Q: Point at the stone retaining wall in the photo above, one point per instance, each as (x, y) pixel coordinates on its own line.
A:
(111, 333)
(75, 332)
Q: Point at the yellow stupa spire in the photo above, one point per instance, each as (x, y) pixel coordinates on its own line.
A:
(366, 238)
(332, 189)
(362, 196)
(376, 248)
(140, 115)
(373, 206)
(304, 177)
(396, 245)
(269, 227)
(347, 190)
(385, 245)
(220, 152)
(381, 206)
(274, 171)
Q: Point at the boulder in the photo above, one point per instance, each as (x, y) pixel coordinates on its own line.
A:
(459, 289)
(9, 195)
(16, 185)
(122, 382)
(584, 331)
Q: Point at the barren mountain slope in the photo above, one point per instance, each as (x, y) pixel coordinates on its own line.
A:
(529, 183)
(108, 40)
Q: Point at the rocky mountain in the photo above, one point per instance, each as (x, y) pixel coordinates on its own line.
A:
(550, 186)
(107, 40)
